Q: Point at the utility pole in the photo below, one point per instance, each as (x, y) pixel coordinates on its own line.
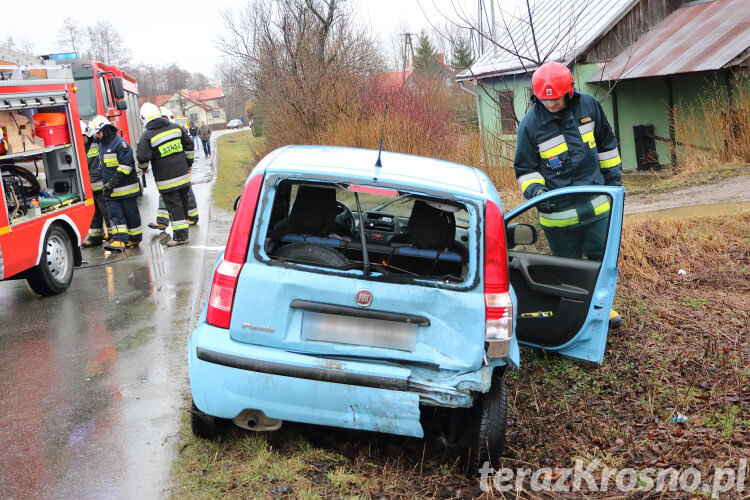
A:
(406, 50)
(485, 26)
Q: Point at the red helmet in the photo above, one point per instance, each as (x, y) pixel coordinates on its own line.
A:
(552, 81)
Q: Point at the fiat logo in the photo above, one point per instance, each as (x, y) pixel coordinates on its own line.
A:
(363, 298)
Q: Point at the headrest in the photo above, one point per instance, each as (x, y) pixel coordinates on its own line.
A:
(314, 211)
(430, 227)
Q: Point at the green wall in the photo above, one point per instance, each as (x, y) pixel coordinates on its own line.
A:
(639, 102)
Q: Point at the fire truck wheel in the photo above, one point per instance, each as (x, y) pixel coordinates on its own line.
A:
(55, 270)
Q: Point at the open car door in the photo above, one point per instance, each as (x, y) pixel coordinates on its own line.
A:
(563, 248)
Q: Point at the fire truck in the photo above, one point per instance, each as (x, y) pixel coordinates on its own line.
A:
(46, 201)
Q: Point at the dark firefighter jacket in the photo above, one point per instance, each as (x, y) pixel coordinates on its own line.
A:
(118, 165)
(95, 165)
(574, 147)
(169, 148)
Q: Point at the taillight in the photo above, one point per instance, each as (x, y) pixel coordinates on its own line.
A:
(498, 329)
(224, 284)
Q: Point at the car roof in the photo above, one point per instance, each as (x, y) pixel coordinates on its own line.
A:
(398, 169)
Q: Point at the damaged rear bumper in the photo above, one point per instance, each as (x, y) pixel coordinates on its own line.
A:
(227, 377)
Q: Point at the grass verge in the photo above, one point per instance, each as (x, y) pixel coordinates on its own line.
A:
(670, 180)
(235, 161)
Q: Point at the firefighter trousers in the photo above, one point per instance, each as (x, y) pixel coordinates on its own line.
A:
(125, 219)
(101, 218)
(176, 203)
(162, 214)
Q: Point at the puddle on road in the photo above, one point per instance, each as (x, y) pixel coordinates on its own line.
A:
(731, 208)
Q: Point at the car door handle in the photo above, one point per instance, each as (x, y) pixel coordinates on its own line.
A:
(562, 290)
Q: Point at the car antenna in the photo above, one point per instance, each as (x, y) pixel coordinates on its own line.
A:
(382, 133)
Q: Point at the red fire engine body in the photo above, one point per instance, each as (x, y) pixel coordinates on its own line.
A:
(46, 201)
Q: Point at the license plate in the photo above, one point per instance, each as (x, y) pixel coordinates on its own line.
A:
(321, 327)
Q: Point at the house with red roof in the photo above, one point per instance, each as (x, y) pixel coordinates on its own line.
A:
(199, 106)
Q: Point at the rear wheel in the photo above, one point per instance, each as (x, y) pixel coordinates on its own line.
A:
(54, 272)
(487, 438)
(204, 425)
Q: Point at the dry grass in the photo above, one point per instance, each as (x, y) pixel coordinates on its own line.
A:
(714, 130)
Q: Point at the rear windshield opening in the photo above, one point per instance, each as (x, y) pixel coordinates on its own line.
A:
(405, 235)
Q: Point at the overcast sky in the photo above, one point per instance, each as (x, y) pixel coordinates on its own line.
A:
(185, 32)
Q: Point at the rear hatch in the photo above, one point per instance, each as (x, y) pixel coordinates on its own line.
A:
(340, 313)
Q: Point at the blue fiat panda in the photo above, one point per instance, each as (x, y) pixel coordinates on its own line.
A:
(380, 297)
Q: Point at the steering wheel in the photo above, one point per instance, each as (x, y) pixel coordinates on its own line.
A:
(345, 218)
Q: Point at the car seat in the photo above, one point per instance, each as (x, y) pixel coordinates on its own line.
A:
(313, 214)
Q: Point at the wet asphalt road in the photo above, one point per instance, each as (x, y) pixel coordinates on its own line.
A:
(93, 382)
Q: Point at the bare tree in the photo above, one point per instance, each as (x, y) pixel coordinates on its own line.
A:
(300, 58)
(106, 44)
(71, 36)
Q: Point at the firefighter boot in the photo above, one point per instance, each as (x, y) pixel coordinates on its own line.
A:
(156, 225)
(116, 246)
(174, 243)
(91, 242)
(615, 320)
(132, 244)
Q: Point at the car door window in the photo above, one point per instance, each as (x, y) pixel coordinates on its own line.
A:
(573, 226)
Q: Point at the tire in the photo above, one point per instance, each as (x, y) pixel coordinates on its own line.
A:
(54, 272)
(487, 438)
(203, 425)
(310, 253)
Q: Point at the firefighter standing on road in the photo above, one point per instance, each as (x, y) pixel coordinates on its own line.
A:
(162, 214)
(101, 217)
(565, 140)
(169, 148)
(121, 185)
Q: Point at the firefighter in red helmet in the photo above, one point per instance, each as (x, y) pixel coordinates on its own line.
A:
(565, 140)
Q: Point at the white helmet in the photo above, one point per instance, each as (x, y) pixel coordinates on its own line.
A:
(149, 112)
(166, 113)
(85, 129)
(97, 123)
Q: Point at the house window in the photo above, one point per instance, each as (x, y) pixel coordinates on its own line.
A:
(216, 114)
(194, 117)
(507, 113)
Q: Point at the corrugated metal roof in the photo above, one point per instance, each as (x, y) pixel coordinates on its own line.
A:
(563, 29)
(702, 37)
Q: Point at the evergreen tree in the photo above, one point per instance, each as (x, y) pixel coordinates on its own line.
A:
(425, 58)
(462, 58)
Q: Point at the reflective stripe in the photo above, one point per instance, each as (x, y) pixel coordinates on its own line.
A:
(165, 136)
(92, 152)
(96, 232)
(551, 143)
(110, 160)
(125, 190)
(125, 169)
(569, 217)
(162, 213)
(97, 185)
(193, 213)
(609, 159)
(180, 224)
(174, 182)
(190, 154)
(118, 229)
(527, 180)
(588, 127)
(4, 229)
(135, 232)
(553, 147)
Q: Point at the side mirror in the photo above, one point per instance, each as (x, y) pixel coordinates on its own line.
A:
(236, 203)
(121, 104)
(117, 87)
(520, 234)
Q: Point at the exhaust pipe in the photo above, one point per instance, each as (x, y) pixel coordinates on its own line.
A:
(256, 420)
